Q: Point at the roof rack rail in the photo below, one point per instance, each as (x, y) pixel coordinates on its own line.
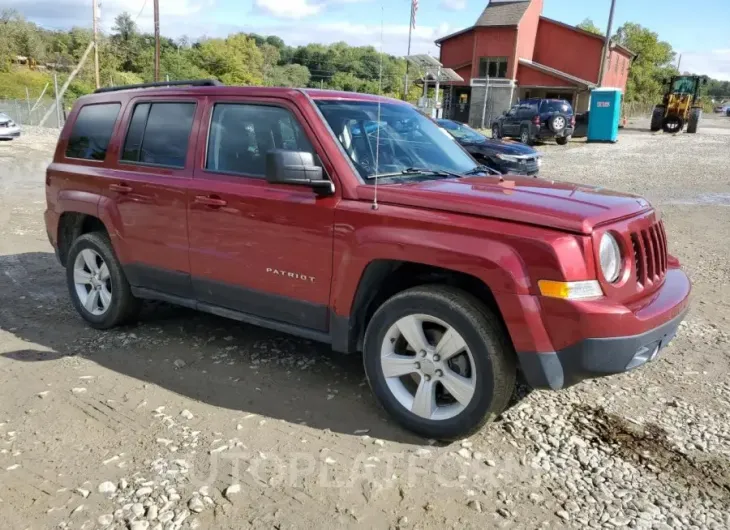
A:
(191, 82)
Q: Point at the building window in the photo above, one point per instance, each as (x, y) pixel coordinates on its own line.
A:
(493, 67)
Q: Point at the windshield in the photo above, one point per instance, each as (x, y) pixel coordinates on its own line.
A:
(402, 139)
(460, 131)
(684, 85)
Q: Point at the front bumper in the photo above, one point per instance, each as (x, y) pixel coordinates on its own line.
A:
(7, 133)
(651, 325)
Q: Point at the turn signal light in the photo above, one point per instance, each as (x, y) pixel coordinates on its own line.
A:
(570, 290)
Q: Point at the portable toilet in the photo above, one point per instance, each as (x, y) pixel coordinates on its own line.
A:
(605, 115)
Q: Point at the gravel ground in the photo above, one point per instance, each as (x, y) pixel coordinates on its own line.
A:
(191, 421)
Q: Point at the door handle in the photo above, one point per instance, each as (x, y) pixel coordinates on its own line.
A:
(120, 188)
(210, 201)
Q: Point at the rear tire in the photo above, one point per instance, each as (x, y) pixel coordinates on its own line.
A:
(525, 136)
(486, 362)
(657, 117)
(694, 120)
(98, 287)
(563, 140)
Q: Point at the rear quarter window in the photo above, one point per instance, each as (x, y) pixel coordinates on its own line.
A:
(92, 131)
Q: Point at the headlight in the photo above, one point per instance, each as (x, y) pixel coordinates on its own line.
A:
(610, 256)
(509, 158)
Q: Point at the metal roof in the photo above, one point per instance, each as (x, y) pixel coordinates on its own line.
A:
(557, 73)
(503, 13)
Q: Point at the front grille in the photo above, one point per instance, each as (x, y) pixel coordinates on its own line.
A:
(4, 124)
(650, 254)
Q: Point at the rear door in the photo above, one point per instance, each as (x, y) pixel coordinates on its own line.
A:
(258, 248)
(148, 188)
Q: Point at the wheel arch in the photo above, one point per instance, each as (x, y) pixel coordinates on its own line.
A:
(71, 226)
(384, 278)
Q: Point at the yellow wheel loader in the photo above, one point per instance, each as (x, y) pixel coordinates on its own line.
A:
(681, 105)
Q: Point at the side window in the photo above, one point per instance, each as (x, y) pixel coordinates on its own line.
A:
(92, 131)
(241, 135)
(159, 134)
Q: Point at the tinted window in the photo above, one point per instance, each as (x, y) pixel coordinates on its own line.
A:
(92, 131)
(241, 135)
(556, 106)
(159, 134)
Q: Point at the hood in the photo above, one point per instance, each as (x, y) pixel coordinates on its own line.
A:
(564, 206)
(502, 147)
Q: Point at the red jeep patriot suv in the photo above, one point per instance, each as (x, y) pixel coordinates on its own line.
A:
(353, 220)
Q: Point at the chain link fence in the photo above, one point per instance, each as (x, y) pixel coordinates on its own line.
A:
(27, 112)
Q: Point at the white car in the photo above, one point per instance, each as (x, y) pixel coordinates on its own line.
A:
(8, 128)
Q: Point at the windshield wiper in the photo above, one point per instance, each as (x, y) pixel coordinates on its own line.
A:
(482, 169)
(419, 171)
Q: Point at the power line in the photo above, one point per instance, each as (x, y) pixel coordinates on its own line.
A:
(144, 4)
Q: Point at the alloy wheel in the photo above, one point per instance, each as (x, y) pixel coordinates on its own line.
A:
(92, 282)
(428, 367)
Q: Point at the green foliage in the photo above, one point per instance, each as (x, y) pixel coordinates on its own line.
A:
(589, 25)
(652, 65)
(235, 60)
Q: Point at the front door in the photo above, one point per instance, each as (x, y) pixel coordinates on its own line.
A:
(258, 248)
(510, 123)
(148, 188)
(461, 101)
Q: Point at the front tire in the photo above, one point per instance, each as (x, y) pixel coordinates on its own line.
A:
(563, 140)
(496, 132)
(98, 287)
(439, 362)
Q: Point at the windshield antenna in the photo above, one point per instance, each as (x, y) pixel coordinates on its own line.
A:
(380, 95)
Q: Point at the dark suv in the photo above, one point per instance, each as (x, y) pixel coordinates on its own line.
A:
(537, 119)
(355, 221)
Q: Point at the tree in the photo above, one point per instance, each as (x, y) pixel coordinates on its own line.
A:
(653, 63)
(125, 27)
(235, 60)
(588, 25)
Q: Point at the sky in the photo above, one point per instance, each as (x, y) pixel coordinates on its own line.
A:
(700, 30)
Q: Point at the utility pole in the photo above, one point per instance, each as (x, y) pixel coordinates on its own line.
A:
(95, 6)
(679, 64)
(157, 39)
(606, 44)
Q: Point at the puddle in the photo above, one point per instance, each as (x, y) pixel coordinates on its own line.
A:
(648, 446)
(706, 199)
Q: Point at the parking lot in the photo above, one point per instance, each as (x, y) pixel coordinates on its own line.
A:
(149, 426)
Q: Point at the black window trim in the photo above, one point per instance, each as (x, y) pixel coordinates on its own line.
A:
(152, 101)
(93, 161)
(256, 104)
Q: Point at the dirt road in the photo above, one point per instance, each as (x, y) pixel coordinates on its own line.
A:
(191, 421)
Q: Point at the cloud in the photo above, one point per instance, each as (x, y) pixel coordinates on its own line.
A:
(294, 9)
(192, 18)
(63, 14)
(715, 63)
(454, 5)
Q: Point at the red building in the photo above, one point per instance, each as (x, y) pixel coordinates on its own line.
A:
(512, 53)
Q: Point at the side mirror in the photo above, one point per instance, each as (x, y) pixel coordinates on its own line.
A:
(297, 168)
